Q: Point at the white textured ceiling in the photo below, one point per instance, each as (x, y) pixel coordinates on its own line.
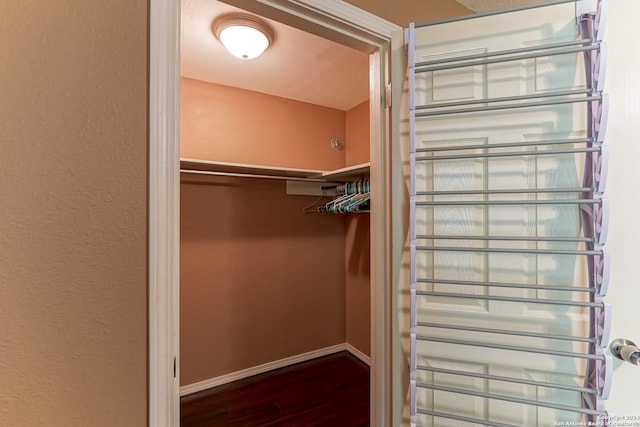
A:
(298, 65)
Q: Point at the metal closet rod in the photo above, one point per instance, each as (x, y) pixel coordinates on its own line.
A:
(511, 202)
(556, 94)
(508, 106)
(531, 402)
(507, 332)
(581, 42)
(505, 145)
(540, 287)
(457, 417)
(506, 191)
(510, 154)
(512, 299)
(508, 379)
(493, 13)
(536, 350)
(550, 52)
(513, 251)
(576, 239)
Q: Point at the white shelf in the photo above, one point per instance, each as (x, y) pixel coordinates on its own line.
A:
(350, 172)
(207, 166)
(246, 169)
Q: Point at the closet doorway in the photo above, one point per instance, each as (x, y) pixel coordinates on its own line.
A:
(264, 284)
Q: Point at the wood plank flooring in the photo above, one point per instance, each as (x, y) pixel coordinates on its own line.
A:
(328, 391)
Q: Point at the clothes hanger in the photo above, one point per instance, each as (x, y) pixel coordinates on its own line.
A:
(352, 201)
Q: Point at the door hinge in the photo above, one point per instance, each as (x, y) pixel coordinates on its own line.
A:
(387, 96)
(174, 367)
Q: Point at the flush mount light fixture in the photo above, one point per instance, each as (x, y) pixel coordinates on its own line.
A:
(244, 36)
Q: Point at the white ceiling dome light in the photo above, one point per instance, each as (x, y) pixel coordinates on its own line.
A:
(244, 36)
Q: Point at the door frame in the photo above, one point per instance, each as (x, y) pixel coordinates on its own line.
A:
(332, 19)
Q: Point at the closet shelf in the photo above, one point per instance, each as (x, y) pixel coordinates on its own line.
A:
(350, 172)
(245, 169)
(277, 172)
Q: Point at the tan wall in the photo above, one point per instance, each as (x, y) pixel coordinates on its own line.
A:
(260, 279)
(357, 127)
(73, 142)
(358, 314)
(358, 289)
(402, 12)
(235, 125)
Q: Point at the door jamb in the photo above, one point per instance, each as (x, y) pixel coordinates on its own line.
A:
(164, 221)
(332, 19)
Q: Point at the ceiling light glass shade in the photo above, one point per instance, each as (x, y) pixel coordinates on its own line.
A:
(244, 42)
(243, 36)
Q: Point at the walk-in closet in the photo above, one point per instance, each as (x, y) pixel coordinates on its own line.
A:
(274, 202)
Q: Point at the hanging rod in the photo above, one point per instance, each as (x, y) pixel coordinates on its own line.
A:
(248, 175)
(510, 154)
(512, 202)
(508, 238)
(506, 145)
(506, 191)
(511, 299)
(506, 99)
(512, 348)
(553, 52)
(580, 42)
(507, 332)
(577, 409)
(508, 379)
(509, 106)
(493, 13)
(508, 285)
(476, 421)
(509, 250)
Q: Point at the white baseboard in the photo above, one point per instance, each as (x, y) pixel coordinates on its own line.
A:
(360, 355)
(266, 367)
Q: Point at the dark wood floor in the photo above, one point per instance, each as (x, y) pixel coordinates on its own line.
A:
(328, 391)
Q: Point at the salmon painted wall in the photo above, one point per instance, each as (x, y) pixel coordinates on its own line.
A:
(228, 124)
(260, 279)
(73, 208)
(254, 267)
(357, 127)
(358, 314)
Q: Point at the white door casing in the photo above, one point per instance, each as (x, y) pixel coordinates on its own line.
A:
(164, 215)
